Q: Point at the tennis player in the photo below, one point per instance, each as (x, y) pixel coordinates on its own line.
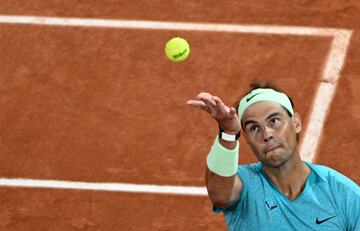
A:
(281, 191)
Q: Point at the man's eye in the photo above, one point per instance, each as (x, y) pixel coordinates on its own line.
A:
(254, 128)
(274, 121)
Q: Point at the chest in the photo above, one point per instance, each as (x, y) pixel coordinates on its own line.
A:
(314, 209)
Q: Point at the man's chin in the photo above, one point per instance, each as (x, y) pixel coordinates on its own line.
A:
(275, 160)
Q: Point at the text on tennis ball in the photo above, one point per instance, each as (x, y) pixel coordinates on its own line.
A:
(176, 56)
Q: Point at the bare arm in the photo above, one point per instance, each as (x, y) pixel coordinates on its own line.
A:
(223, 191)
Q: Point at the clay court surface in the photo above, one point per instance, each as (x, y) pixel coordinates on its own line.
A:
(102, 104)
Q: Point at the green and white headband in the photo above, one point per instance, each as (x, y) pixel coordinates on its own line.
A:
(267, 95)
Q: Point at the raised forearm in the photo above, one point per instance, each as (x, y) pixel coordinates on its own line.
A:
(222, 183)
(223, 191)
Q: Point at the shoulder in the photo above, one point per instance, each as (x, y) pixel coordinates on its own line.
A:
(336, 179)
(249, 173)
(249, 168)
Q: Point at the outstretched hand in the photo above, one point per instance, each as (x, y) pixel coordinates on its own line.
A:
(224, 115)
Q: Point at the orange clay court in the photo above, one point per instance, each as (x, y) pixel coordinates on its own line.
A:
(87, 95)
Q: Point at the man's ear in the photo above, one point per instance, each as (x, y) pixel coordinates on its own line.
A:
(296, 120)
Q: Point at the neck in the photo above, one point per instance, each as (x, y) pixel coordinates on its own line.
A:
(290, 177)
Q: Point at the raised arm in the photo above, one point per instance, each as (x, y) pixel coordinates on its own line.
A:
(222, 190)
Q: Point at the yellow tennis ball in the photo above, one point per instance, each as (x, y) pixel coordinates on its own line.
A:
(177, 49)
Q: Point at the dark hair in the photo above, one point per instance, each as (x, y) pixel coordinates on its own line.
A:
(255, 85)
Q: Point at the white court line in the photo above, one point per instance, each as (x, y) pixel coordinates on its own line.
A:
(160, 25)
(319, 109)
(325, 95)
(113, 187)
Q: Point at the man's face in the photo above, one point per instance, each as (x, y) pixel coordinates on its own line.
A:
(271, 132)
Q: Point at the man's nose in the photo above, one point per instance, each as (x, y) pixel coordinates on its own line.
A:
(267, 134)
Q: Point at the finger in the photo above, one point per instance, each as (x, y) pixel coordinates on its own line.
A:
(233, 112)
(209, 101)
(207, 98)
(211, 106)
(221, 106)
(204, 95)
(196, 103)
(217, 98)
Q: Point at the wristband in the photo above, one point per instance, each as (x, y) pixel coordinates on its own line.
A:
(228, 137)
(222, 161)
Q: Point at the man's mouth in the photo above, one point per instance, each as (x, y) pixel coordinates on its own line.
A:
(271, 148)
